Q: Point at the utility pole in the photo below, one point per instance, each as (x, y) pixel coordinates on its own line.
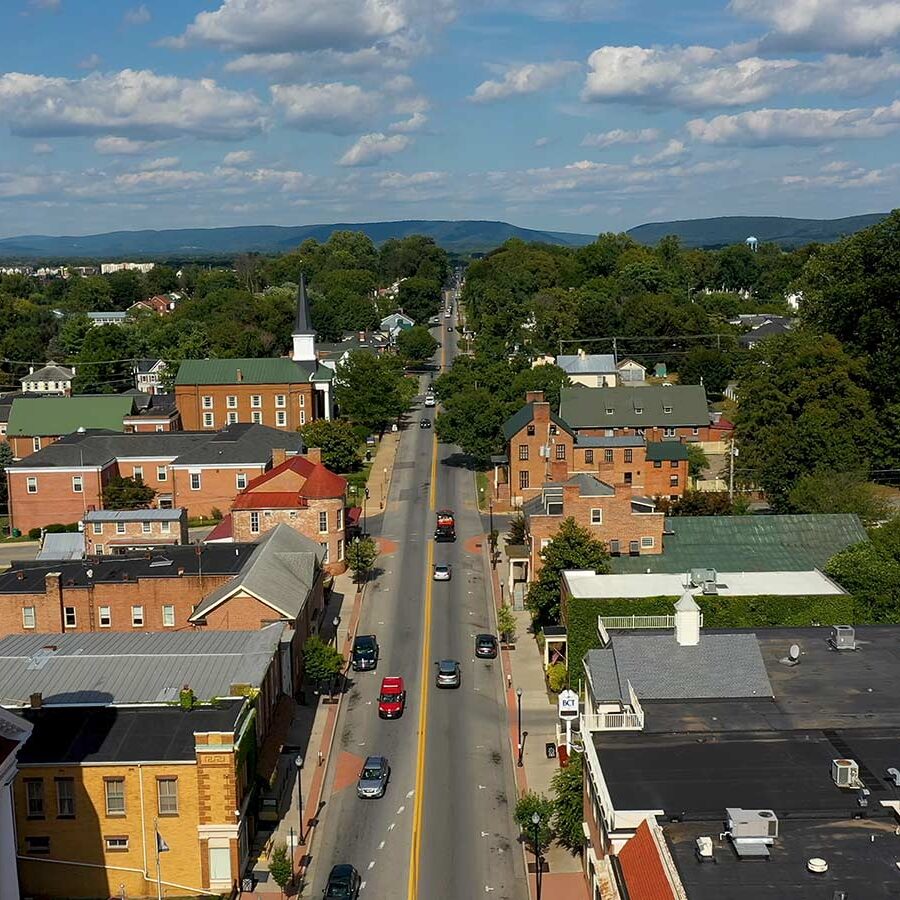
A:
(732, 453)
(615, 352)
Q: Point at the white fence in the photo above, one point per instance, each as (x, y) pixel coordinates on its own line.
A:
(628, 623)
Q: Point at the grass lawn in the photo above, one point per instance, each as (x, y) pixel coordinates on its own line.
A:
(483, 485)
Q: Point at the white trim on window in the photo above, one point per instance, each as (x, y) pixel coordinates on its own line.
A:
(597, 516)
(647, 543)
(29, 619)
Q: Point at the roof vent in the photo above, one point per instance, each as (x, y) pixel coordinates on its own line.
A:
(705, 848)
(843, 637)
(793, 657)
(817, 865)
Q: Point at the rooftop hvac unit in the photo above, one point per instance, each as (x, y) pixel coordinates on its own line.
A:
(845, 773)
(753, 824)
(710, 587)
(700, 577)
(843, 637)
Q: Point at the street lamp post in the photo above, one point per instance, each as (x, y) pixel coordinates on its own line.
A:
(335, 622)
(519, 705)
(298, 762)
(538, 861)
(365, 526)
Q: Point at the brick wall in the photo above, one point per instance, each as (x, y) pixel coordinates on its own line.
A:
(124, 534)
(23, 445)
(55, 499)
(299, 404)
(218, 486)
(537, 468)
(643, 477)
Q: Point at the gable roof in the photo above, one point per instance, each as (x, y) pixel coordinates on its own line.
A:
(51, 372)
(41, 416)
(642, 867)
(658, 451)
(769, 328)
(252, 371)
(584, 407)
(318, 482)
(587, 363)
(281, 572)
(523, 416)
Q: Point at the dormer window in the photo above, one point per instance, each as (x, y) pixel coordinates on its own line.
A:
(667, 409)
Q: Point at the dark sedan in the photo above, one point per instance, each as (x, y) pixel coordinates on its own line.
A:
(485, 646)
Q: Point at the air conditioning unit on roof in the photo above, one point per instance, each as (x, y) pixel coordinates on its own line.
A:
(753, 824)
(845, 773)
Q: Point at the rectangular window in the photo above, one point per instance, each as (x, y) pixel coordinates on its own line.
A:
(523, 452)
(596, 517)
(302, 401)
(634, 548)
(523, 479)
(668, 432)
(97, 527)
(673, 481)
(695, 431)
(31, 484)
(162, 473)
(657, 464)
(138, 473)
(167, 791)
(146, 527)
(120, 528)
(118, 844)
(628, 478)
(553, 429)
(302, 416)
(115, 796)
(37, 844)
(256, 417)
(65, 798)
(324, 547)
(614, 548)
(232, 418)
(207, 402)
(77, 484)
(241, 480)
(208, 420)
(105, 617)
(607, 456)
(281, 418)
(69, 617)
(629, 455)
(256, 401)
(254, 523)
(280, 401)
(36, 444)
(589, 457)
(168, 613)
(323, 522)
(530, 431)
(165, 527)
(137, 616)
(98, 549)
(560, 451)
(339, 520)
(647, 543)
(340, 549)
(638, 410)
(673, 464)
(34, 794)
(28, 617)
(231, 401)
(195, 481)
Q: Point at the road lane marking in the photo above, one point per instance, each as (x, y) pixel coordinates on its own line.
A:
(392, 826)
(381, 846)
(371, 865)
(401, 810)
(409, 794)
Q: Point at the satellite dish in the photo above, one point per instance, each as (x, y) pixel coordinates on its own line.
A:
(89, 573)
(794, 653)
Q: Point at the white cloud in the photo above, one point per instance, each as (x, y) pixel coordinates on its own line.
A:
(42, 149)
(120, 146)
(162, 162)
(560, 10)
(672, 151)
(769, 127)
(238, 158)
(138, 15)
(132, 103)
(372, 148)
(826, 24)
(15, 184)
(91, 61)
(703, 77)
(416, 122)
(621, 136)
(844, 179)
(542, 141)
(525, 79)
(335, 108)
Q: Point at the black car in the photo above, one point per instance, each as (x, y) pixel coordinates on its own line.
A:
(425, 423)
(365, 653)
(485, 646)
(343, 883)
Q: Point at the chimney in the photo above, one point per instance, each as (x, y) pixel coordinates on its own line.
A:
(239, 376)
(279, 455)
(51, 582)
(314, 455)
(581, 353)
(36, 700)
(31, 370)
(534, 396)
(687, 621)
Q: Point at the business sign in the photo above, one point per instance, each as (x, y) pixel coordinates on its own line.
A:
(568, 705)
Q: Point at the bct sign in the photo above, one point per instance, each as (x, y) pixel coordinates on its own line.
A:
(568, 705)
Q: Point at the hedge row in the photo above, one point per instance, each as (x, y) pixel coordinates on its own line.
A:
(580, 615)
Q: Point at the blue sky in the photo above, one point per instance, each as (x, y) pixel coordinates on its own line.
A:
(576, 115)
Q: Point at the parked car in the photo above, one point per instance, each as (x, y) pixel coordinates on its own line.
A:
(344, 883)
(448, 674)
(392, 698)
(365, 653)
(443, 573)
(485, 646)
(373, 779)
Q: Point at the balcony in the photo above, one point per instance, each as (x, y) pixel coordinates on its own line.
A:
(612, 721)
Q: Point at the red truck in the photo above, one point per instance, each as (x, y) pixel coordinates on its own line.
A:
(446, 526)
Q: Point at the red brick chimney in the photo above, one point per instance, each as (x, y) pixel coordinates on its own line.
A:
(279, 455)
(314, 455)
(534, 396)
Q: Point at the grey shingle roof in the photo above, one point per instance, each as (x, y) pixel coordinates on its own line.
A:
(50, 372)
(658, 451)
(584, 407)
(240, 443)
(589, 364)
(591, 486)
(123, 667)
(722, 665)
(281, 573)
(625, 440)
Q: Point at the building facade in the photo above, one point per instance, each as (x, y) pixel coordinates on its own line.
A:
(52, 379)
(117, 531)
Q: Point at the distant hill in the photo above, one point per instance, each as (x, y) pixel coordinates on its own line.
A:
(465, 236)
(725, 230)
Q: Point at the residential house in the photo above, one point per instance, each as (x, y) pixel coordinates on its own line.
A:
(626, 524)
(37, 422)
(631, 372)
(590, 369)
(139, 735)
(396, 322)
(152, 412)
(118, 531)
(147, 375)
(14, 731)
(771, 326)
(281, 393)
(107, 318)
(659, 412)
(334, 355)
(160, 304)
(51, 379)
(194, 470)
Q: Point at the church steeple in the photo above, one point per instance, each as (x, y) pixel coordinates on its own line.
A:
(304, 335)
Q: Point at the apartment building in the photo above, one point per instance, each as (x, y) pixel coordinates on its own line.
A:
(118, 531)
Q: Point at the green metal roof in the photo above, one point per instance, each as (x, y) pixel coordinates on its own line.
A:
(253, 371)
(748, 543)
(40, 416)
(519, 419)
(584, 407)
(657, 451)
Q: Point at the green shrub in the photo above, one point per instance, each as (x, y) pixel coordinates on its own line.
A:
(34, 534)
(557, 677)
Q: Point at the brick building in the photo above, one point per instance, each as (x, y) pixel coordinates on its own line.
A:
(14, 731)
(120, 530)
(152, 412)
(195, 470)
(281, 393)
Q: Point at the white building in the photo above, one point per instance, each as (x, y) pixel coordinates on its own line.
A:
(590, 369)
(109, 268)
(51, 379)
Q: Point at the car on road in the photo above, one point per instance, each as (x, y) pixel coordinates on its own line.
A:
(442, 572)
(373, 779)
(425, 423)
(430, 399)
(392, 698)
(485, 646)
(364, 655)
(344, 883)
(448, 674)
(449, 328)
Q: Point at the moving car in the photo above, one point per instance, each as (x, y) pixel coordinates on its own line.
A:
(343, 883)
(429, 399)
(485, 646)
(425, 423)
(373, 779)
(365, 652)
(447, 313)
(449, 328)
(392, 699)
(442, 572)
(446, 526)
(448, 674)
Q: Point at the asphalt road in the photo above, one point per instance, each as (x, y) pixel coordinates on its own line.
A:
(454, 790)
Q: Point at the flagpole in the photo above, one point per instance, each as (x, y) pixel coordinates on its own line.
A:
(158, 874)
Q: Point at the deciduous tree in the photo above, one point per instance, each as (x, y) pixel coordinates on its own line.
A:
(337, 440)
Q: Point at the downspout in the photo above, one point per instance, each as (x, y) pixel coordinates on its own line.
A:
(143, 828)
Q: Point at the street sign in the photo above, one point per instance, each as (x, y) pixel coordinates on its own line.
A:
(568, 705)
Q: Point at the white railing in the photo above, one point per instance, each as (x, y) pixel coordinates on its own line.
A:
(612, 721)
(626, 623)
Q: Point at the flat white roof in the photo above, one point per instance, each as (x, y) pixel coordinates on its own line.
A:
(590, 585)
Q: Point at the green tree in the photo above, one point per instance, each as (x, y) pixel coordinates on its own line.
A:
(518, 530)
(698, 503)
(372, 390)
(567, 787)
(125, 287)
(361, 555)
(473, 421)
(420, 298)
(6, 458)
(526, 806)
(839, 492)
(72, 334)
(506, 624)
(572, 547)
(321, 661)
(337, 440)
(872, 577)
(698, 462)
(711, 368)
(416, 345)
(886, 537)
(103, 366)
(281, 868)
(161, 280)
(127, 493)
